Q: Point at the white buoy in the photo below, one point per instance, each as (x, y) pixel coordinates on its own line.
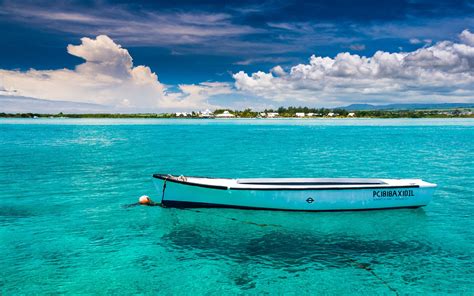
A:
(144, 200)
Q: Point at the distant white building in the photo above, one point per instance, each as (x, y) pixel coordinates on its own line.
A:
(272, 114)
(310, 114)
(182, 114)
(299, 114)
(226, 114)
(352, 114)
(331, 114)
(206, 114)
(263, 114)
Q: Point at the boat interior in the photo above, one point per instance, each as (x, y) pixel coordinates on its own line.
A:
(311, 181)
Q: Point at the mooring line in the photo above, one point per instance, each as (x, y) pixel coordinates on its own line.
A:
(163, 193)
(371, 271)
(131, 205)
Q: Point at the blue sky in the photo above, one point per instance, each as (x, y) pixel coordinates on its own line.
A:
(204, 54)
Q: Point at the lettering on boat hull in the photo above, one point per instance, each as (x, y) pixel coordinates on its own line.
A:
(392, 194)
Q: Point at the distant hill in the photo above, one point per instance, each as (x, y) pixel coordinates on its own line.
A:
(359, 107)
(18, 104)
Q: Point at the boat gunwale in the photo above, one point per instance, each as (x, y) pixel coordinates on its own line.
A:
(166, 177)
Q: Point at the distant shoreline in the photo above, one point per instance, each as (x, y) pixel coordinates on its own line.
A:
(149, 116)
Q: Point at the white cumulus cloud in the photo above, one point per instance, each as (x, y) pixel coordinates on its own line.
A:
(441, 72)
(107, 77)
(467, 37)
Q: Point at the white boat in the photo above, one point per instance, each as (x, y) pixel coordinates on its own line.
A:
(293, 194)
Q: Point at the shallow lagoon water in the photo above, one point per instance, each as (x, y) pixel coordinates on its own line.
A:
(63, 227)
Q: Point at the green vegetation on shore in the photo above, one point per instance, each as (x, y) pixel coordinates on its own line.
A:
(87, 115)
(282, 112)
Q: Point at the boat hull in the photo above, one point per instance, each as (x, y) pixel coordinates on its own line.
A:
(182, 195)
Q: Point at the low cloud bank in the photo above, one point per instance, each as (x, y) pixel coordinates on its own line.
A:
(441, 72)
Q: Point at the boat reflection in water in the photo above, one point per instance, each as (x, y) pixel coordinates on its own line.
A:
(284, 237)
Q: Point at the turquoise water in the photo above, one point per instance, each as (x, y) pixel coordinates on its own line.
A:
(63, 227)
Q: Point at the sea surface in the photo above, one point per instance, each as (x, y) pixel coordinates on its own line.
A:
(65, 227)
